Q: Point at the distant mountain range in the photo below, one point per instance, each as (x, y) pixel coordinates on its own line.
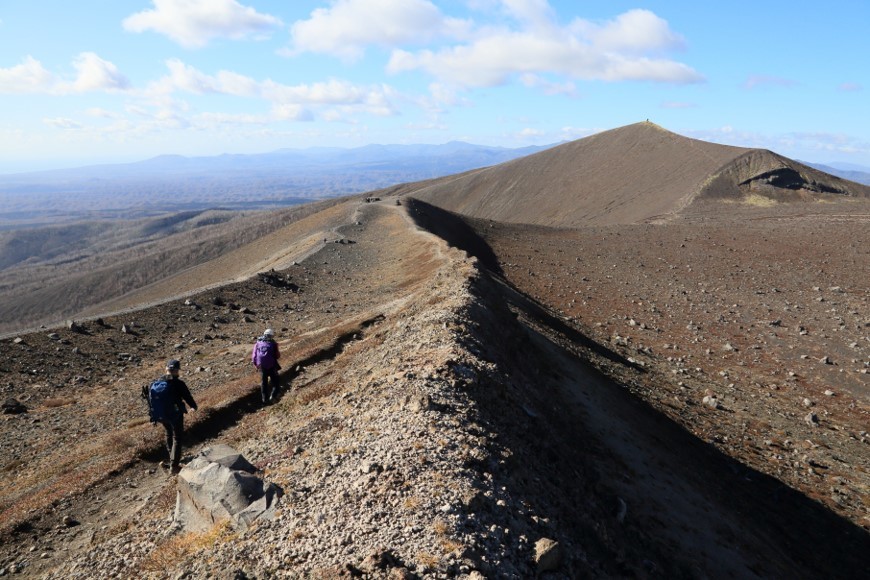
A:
(850, 171)
(286, 176)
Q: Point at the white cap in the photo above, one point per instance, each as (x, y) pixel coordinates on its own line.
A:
(269, 332)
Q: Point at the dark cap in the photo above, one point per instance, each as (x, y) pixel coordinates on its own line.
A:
(173, 365)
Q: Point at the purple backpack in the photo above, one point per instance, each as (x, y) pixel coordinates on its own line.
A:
(264, 354)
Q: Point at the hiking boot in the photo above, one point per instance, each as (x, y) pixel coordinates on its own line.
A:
(174, 469)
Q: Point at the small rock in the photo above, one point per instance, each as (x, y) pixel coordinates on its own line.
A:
(829, 393)
(812, 420)
(548, 555)
(825, 360)
(13, 406)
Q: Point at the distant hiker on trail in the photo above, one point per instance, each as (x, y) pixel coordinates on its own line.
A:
(166, 404)
(265, 357)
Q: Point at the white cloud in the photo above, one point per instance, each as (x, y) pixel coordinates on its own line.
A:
(93, 74)
(635, 32)
(62, 123)
(28, 77)
(536, 14)
(347, 27)
(288, 102)
(529, 133)
(622, 50)
(193, 23)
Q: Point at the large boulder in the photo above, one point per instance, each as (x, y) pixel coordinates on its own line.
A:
(219, 485)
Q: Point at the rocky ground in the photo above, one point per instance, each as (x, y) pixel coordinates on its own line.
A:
(438, 423)
(751, 327)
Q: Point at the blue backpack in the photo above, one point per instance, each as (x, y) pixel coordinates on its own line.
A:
(265, 354)
(161, 402)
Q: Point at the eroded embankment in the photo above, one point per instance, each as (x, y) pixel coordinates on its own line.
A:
(685, 507)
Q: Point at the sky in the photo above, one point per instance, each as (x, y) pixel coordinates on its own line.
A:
(92, 81)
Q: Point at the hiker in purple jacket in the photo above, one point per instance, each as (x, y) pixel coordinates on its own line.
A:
(265, 357)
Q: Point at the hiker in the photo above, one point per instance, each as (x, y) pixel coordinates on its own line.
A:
(265, 357)
(166, 402)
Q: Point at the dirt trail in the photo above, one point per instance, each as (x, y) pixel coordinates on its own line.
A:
(345, 288)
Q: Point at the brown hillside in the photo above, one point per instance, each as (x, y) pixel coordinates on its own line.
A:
(633, 174)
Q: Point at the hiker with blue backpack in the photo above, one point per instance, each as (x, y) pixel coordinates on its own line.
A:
(166, 398)
(265, 357)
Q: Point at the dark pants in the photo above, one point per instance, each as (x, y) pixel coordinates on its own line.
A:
(174, 436)
(267, 376)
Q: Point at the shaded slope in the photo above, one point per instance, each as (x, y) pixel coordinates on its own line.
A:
(632, 174)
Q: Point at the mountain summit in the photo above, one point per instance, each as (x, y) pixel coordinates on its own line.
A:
(632, 174)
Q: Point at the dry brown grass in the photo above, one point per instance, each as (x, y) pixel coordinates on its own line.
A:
(58, 402)
(315, 392)
(440, 526)
(427, 561)
(756, 200)
(450, 546)
(169, 554)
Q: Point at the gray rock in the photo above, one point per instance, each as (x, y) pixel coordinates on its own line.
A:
(210, 492)
(228, 457)
(418, 403)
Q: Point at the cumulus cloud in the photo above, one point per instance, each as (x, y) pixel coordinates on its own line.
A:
(93, 74)
(96, 74)
(28, 77)
(347, 27)
(193, 23)
(635, 32)
(289, 102)
(625, 49)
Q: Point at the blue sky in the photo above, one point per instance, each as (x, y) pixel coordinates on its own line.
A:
(93, 81)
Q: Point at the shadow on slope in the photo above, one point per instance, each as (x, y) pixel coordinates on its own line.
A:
(584, 452)
(625, 486)
(455, 230)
